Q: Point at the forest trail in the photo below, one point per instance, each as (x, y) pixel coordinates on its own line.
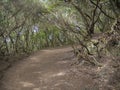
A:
(48, 69)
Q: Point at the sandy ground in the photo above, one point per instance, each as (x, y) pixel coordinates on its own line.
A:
(51, 69)
(46, 70)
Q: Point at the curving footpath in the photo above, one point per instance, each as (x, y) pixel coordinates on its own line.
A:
(45, 70)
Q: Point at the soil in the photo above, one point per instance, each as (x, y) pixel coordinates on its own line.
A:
(53, 69)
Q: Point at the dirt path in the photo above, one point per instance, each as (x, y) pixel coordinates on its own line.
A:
(46, 70)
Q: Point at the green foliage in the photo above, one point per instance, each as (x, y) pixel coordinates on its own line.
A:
(30, 25)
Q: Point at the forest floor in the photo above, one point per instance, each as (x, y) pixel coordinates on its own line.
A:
(52, 69)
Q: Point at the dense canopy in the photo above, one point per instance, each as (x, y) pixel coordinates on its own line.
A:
(30, 25)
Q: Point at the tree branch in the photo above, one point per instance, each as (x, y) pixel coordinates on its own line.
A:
(101, 9)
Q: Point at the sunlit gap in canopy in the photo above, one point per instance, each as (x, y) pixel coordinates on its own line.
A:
(43, 1)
